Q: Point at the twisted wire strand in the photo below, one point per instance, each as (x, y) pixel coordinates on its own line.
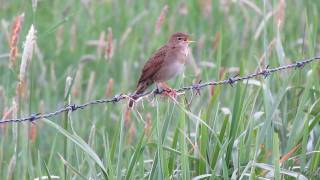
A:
(119, 97)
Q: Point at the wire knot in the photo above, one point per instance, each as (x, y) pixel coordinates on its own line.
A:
(300, 64)
(197, 87)
(266, 72)
(117, 98)
(232, 80)
(34, 117)
(73, 107)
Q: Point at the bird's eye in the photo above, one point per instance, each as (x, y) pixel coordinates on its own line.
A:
(179, 38)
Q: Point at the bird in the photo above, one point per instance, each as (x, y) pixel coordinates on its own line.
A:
(167, 62)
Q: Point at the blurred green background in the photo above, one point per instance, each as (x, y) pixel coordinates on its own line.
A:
(263, 128)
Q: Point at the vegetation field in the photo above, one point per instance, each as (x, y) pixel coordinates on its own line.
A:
(55, 53)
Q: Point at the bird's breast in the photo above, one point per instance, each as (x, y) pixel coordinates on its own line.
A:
(180, 56)
(169, 71)
(177, 68)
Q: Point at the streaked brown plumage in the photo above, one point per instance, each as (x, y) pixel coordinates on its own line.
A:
(167, 62)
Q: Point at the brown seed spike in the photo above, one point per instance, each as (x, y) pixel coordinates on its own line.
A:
(161, 18)
(16, 28)
(109, 88)
(109, 48)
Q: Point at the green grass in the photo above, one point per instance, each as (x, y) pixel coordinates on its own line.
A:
(245, 131)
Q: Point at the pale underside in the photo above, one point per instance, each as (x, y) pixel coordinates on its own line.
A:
(168, 71)
(165, 64)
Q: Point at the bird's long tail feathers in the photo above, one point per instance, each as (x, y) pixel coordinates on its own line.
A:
(142, 86)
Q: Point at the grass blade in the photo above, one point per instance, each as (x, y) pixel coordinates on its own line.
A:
(80, 143)
(135, 157)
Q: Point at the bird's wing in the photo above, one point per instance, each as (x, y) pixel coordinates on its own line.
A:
(153, 64)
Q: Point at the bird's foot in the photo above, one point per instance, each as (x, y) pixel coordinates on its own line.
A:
(168, 91)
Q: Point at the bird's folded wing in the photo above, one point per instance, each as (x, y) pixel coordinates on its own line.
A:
(153, 64)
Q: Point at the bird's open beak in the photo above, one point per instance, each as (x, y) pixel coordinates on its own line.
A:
(189, 41)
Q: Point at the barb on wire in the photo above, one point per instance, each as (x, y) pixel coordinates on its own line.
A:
(196, 87)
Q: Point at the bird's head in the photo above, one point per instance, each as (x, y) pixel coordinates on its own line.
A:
(180, 39)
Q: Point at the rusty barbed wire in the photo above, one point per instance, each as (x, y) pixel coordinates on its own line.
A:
(196, 87)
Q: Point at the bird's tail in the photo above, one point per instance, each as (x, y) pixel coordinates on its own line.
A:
(142, 86)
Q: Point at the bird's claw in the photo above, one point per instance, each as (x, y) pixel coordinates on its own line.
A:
(170, 92)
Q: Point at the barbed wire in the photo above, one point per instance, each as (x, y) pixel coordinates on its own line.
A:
(195, 87)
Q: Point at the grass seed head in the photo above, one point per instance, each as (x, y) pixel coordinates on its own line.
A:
(161, 18)
(25, 60)
(101, 44)
(16, 28)
(109, 48)
(280, 13)
(33, 132)
(67, 86)
(183, 8)
(109, 88)
(27, 53)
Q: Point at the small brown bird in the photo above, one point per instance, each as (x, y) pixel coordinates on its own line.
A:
(167, 62)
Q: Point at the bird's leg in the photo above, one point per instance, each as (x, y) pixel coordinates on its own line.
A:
(158, 89)
(168, 90)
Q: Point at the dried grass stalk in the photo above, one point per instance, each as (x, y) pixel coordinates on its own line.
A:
(125, 35)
